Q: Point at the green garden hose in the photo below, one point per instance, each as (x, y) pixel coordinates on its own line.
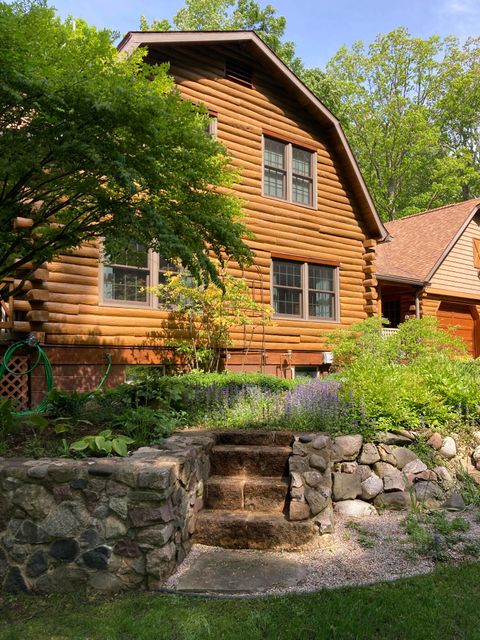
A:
(32, 343)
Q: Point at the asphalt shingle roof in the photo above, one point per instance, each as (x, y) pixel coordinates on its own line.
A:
(420, 240)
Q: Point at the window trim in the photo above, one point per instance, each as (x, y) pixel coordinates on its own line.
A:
(152, 302)
(289, 144)
(305, 317)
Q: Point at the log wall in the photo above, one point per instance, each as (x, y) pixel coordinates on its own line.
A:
(73, 313)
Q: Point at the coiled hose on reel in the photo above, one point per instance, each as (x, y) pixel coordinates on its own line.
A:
(31, 342)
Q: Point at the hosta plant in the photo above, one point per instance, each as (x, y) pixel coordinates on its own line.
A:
(104, 444)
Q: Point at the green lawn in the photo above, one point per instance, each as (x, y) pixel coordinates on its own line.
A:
(445, 604)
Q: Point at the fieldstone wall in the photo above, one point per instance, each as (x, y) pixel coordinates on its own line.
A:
(106, 525)
(348, 476)
(371, 475)
(310, 467)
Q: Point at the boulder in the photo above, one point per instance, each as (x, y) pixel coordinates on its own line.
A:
(34, 500)
(476, 455)
(354, 509)
(325, 521)
(364, 471)
(348, 467)
(316, 500)
(371, 487)
(369, 454)
(428, 492)
(444, 475)
(414, 467)
(312, 478)
(435, 441)
(346, 447)
(383, 469)
(319, 462)
(449, 448)
(394, 481)
(320, 442)
(403, 456)
(299, 510)
(346, 486)
(386, 454)
(454, 502)
(476, 437)
(397, 500)
(401, 437)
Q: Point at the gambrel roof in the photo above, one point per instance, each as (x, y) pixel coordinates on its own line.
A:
(249, 41)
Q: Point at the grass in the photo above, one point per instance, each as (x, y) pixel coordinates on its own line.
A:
(443, 604)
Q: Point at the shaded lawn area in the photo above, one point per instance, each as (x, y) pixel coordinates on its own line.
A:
(445, 605)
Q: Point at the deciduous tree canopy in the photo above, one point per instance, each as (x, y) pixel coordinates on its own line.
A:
(94, 144)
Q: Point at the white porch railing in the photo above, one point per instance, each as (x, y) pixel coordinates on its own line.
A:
(386, 332)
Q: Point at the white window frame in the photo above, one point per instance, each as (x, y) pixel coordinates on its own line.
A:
(305, 317)
(152, 301)
(289, 171)
(314, 367)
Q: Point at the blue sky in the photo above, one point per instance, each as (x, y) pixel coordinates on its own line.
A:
(318, 27)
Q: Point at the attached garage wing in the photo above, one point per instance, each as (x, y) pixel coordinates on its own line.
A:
(464, 319)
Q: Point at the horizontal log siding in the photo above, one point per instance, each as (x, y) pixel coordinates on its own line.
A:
(457, 273)
(333, 232)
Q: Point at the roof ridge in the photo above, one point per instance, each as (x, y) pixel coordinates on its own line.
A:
(445, 206)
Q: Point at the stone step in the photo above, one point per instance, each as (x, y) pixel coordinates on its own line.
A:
(242, 460)
(254, 493)
(256, 438)
(258, 530)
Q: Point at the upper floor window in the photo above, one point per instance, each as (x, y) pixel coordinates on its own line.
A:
(305, 290)
(288, 172)
(129, 274)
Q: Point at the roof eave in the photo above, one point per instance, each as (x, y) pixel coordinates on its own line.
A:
(135, 39)
(402, 280)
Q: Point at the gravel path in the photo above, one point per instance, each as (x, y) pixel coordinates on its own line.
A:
(363, 551)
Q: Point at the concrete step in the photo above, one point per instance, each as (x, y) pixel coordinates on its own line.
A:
(253, 493)
(245, 530)
(242, 460)
(256, 438)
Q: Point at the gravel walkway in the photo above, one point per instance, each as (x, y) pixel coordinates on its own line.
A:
(363, 551)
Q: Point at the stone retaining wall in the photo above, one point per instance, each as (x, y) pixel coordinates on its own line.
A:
(107, 525)
(348, 476)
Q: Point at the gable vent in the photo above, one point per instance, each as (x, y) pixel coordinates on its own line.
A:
(238, 72)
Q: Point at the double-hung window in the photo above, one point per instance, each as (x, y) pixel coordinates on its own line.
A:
(127, 276)
(288, 172)
(305, 290)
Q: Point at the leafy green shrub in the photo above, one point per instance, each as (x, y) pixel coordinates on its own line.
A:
(417, 377)
(103, 444)
(146, 425)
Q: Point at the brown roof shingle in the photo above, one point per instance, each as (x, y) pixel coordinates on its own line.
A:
(420, 240)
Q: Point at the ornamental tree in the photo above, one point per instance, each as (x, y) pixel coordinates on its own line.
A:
(94, 144)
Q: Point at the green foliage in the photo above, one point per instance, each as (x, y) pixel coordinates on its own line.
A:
(469, 488)
(147, 425)
(103, 145)
(201, 318)
(6, 422)
(410, 109)
(417, 377)
(235, 15)
(424, 607)
(434, 534)
(103, 444)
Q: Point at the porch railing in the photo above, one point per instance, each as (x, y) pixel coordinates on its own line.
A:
(388, 331)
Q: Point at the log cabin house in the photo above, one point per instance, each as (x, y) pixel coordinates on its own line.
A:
(431, 267)
(315, 225)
